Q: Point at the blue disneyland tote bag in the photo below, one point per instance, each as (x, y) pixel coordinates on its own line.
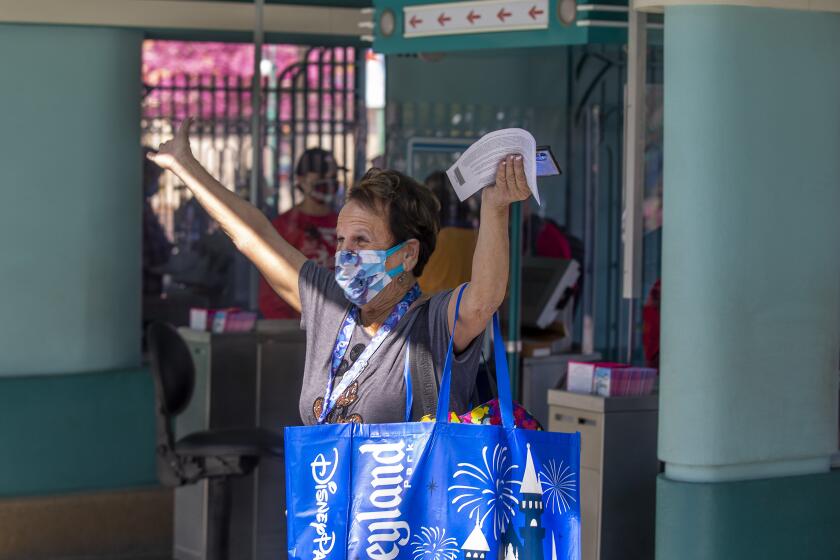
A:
(434, 490)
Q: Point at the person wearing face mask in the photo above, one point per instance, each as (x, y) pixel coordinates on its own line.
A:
(310, 226)
(367, 321)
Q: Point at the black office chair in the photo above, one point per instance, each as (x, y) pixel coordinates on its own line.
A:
(216, 455)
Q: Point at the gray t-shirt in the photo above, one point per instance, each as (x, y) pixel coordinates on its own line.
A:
(378, 395)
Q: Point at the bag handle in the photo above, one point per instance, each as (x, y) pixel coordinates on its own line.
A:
(502, 375)
(442, 414)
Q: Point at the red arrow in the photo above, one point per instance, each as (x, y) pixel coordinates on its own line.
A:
(534, 12)
(442, 19)
(503, 14)
(472, 16)
(415, 21)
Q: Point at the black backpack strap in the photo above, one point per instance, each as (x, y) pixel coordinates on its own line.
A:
(424, 381)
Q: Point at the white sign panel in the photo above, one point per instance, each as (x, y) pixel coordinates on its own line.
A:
(474, 17)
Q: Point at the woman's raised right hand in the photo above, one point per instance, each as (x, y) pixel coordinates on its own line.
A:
(175, 152)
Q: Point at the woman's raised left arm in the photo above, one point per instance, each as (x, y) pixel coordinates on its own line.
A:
(488, 282)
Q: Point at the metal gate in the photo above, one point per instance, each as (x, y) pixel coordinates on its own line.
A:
(317, 103)
(314, 102)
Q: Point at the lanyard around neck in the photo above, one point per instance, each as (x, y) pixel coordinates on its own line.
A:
(342, 342)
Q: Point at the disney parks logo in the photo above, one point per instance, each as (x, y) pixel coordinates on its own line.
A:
(323, 472)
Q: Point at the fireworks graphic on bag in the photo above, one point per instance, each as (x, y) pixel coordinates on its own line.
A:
(559, 486)
(487, 489)
(431, 543)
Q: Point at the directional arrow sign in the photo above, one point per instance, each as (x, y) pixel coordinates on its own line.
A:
(535, 12)
(481, 16)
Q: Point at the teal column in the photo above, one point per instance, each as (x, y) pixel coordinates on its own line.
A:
(750, 283)
(70, 217)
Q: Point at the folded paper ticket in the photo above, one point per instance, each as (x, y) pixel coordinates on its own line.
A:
(476, 168)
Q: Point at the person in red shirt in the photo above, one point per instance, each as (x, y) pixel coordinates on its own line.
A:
(650, 324)
(309, 226)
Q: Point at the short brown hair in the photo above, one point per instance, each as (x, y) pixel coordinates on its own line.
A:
(411, 208)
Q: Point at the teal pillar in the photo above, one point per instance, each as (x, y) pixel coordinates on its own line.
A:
(70, 217)
(750, 282)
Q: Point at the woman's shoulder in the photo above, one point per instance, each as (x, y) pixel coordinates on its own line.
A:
(437, 305)
(432, 299)
(320, 295)
(314, 274)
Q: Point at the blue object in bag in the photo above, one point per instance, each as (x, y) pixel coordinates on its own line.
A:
(434, 490)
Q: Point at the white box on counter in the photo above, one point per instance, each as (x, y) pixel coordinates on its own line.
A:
(581, 376)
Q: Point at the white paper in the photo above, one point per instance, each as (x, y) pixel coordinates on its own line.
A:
(580, 377)
(476, 168)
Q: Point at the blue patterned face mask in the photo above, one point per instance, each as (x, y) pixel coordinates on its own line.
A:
(362, 274)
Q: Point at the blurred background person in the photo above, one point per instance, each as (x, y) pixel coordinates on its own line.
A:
(310, 226)
(157, 249)
(451, 263)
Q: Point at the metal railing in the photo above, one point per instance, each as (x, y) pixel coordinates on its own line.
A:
(314, 102)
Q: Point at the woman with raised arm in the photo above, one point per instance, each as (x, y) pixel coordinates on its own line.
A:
(361, 318)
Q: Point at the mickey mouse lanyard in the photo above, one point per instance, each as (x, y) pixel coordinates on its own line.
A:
(342, 342)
